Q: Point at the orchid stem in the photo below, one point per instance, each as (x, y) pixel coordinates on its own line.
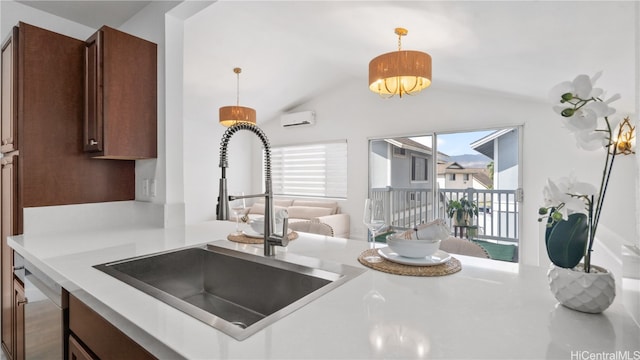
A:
(604, 183)
(587, 255)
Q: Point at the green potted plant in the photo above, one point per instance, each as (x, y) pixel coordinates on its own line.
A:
(462, 211)
(572, 208)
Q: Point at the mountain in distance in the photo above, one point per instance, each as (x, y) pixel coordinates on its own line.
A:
(473, 161)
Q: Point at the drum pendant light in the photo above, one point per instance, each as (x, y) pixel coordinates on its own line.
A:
(231, 115)
(400, 72)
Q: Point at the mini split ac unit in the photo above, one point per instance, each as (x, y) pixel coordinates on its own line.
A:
(298, 119)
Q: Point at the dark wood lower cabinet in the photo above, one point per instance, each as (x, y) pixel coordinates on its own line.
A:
(19, 302)
(77, 351)
(99, 336)
(11, 225)
(8, 320)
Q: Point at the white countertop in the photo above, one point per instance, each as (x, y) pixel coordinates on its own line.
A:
(489, 310)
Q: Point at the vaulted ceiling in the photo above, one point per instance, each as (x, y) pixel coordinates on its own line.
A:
(291, 51)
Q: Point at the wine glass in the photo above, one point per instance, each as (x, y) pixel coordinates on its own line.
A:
(373, 219)
(238, 207)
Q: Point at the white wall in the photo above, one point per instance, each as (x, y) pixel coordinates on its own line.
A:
(202, 138)
(151, 23)
(354, 113)
(203, 135)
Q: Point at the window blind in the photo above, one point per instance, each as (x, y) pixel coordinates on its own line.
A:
(316, 170)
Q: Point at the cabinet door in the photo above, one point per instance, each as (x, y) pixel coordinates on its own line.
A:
(104, 339)
(19, 301)
(121, 96)
(11, 225)
(9, 128)
(77, 351)
(93, 125)
(54, 168)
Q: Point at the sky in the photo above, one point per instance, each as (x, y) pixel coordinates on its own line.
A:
(454, 143)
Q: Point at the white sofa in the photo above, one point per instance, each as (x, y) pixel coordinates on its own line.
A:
(303, 214)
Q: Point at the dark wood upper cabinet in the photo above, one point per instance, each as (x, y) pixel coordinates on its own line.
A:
(9, 105)
(120, 112)
(55, 170)
(93, 127)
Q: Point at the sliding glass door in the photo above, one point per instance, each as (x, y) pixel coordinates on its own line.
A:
(421, 177)
(401, 172)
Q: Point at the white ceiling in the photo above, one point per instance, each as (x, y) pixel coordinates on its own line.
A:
(291, 51)
(93, 14)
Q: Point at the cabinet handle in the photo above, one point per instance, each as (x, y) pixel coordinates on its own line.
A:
(22, 302)
(18, 268)
(93, 142)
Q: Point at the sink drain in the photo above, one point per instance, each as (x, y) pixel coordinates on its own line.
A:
(240, 324)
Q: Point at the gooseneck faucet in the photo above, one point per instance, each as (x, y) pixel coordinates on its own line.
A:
(271, 239)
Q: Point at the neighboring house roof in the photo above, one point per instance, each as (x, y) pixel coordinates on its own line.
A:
(464, 171)
(485, 144)
(483, 177)
(406, 143)
(479, 174)
(449, 167)
(453, 168)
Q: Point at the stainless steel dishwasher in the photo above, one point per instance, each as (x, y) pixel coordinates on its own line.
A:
(43, 312)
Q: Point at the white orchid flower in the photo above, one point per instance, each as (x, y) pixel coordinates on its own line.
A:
(575, 187)
(591, 140)
(600, 108)
(582, 120)
(581, 86)
(612, 99)
(582, 109)
(566, 195)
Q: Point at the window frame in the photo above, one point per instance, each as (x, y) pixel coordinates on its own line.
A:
(413, 168)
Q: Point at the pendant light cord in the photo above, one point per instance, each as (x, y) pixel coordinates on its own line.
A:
(237, 71)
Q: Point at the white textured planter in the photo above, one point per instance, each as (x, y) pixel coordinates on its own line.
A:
(587, 292)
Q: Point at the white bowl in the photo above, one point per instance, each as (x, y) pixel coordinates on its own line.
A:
(257, 225)
(413, 248)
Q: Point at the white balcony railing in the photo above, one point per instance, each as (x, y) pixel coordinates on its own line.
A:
(497, 209)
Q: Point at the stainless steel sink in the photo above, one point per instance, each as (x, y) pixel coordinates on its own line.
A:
(235, 292)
